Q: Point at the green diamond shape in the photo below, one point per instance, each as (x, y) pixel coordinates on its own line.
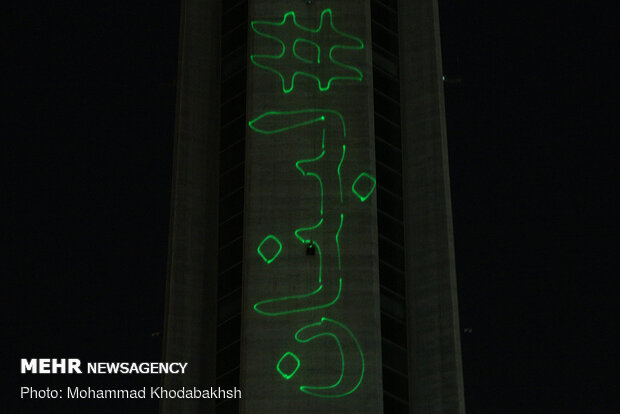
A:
(367, 186)
(276, 248)
(297, 362)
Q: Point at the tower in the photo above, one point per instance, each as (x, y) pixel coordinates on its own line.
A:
(311, 251)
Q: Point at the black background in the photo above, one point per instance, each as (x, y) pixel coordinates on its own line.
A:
(530, 105)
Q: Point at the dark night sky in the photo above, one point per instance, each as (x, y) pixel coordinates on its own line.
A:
(88, 141)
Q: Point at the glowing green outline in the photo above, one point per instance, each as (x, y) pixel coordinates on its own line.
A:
(337, 241)
(318, 48)
(311, 174)
(252, 126)
(307, 388)
(307, 228)
(318, 248)
(303, 172)
(288, 376)
(304, 241)
(339, 177)
(305, 295)
(374, 184)
(300, 111)
(275, 131)
(302, 73)
(277, 253)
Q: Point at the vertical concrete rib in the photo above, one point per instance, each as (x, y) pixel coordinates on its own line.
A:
(434, 356)
(279, 201)
(191, 297)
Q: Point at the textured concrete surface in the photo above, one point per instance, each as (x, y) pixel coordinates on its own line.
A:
(436, 383)
(191, 303)
(279, 199)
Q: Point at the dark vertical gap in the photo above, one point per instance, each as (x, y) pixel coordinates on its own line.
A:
(233, 86)
(386, 93)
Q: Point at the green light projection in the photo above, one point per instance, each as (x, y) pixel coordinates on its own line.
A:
(306, 67)
(372, 184)
(352, 367)
(311, 53)
(338, 241)
(283, 358)
(294, 303)
(311, 174)
(328, 289)
(275, 122)
(315, 244)
(284, 126)
(310, 42)
(275, 255)
(344, 148)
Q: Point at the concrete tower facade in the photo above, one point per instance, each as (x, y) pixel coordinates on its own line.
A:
(311, 251)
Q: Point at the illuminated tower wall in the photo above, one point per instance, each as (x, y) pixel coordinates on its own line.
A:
(311, 256)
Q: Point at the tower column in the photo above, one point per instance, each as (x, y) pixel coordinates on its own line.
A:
(436, 383)
(191, 291)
